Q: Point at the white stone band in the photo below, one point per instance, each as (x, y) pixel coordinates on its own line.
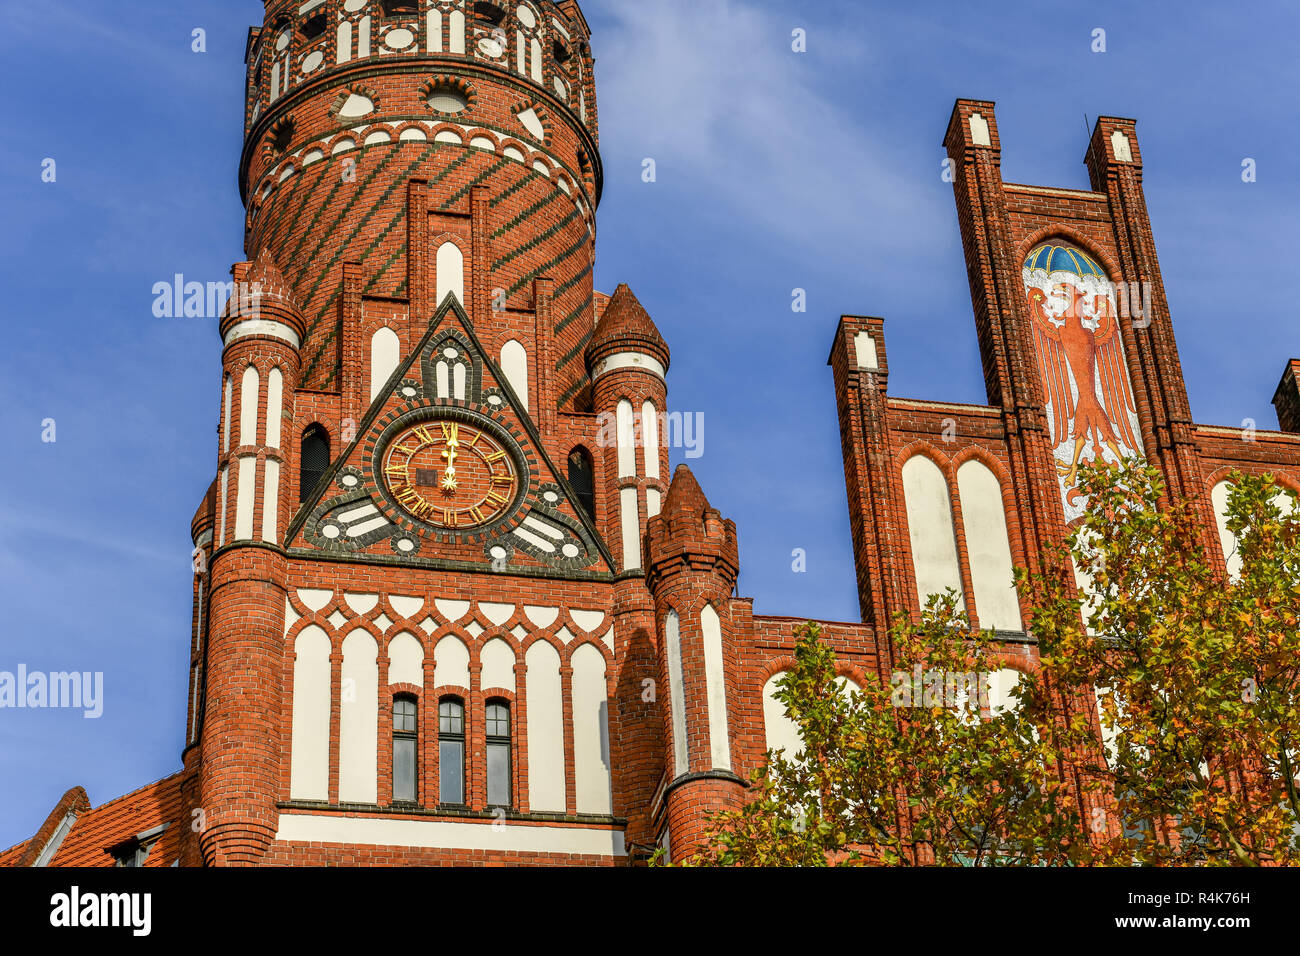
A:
(276, 330)
(634, 360)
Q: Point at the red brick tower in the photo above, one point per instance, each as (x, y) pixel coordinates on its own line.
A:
(439, 147)
(694, 562)
(410, 627)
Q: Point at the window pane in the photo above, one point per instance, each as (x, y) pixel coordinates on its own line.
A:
(451, 718)
(315, 460)
(451, 771)
(498, 772)
(404, 768)
(404, 714)
(583, 481)
(498, 720)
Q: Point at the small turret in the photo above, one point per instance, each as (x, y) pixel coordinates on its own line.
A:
(627, 360)
(693, 564)
(626, 336)
(239, 760)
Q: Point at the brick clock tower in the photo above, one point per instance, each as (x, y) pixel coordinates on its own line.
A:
(450, 606)
(423, 564)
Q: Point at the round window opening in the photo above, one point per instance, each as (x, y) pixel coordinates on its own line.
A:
(448, 99)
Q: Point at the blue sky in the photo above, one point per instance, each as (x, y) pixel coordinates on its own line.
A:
(776, 171)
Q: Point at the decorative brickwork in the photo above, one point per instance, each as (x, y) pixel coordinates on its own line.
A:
(420, 192)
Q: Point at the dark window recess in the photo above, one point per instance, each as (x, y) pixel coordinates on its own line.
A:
(282, 137)
(405, 736)
(561, 52)
(313, 27)
(582, 480)
(314, 462)
(135, 851)
(401, 8)
(489, 14)
(498, 754)
(451, 751)
(426, 477)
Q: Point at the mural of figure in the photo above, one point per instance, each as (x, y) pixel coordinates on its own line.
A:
(1091, 410)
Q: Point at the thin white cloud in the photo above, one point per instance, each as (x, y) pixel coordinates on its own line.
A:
(59, 526)
(714, 93)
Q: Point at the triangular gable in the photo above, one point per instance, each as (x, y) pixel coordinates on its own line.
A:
(352, 514)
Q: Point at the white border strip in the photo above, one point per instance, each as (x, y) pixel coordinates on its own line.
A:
(440, 834)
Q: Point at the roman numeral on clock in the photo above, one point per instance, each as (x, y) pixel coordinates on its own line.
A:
(407, 496)
(423, 433)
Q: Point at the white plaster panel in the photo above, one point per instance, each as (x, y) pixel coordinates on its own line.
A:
(362, 604)
(406, 660)
(249, 394)
(498, 660)
(542, 617)
(989, 546)
(591, 763)
(309, 742)
(497, 614)
(406, 607)
(780, 730)
(244, 497)
(930, 526)
(451, 657)
(314, 598)
(385, 354)
(436, 834)
(676, 690)
(359, 720)
(587, 620)
(451, 610)
(546, 791)
(449, 268)
(715, 678)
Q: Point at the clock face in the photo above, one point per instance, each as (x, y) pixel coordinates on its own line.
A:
(450, 475)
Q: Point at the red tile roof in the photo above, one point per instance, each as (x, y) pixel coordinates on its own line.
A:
(119, 820)
(10, 856)
(626, 326)
(101, 828)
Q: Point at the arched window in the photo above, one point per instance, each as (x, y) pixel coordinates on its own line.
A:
(313, 27)
(405, 747)
(498, 753)
(582, 479)
(315, 460)
(451, 751)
